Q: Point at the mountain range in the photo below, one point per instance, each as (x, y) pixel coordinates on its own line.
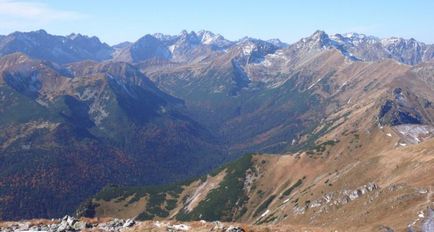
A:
(187, 45)
(350, 116)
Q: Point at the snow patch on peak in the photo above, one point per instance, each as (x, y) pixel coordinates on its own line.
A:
(248, 48)
(164, 38)
(391, 40)
(278, 43)
(355, 35)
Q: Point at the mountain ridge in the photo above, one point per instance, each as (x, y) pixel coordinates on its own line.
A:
(353, 45)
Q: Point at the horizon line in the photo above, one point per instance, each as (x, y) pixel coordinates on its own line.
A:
(205, 30)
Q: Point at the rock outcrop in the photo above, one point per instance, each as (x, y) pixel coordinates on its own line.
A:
(68, 224)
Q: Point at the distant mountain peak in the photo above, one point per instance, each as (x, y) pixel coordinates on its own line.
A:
(202, 33)
(278, 43)
(164, 37)
(74, 36)
(41, 31)
(319, 39)
(209, 38)
(354, 35)
(357, 46)
(60, 49)
(183, 33)
(188, 37)
(319, 34)
(189, 45)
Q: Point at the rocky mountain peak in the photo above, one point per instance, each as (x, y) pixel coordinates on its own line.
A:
(254, 50)
(205, 33)
(319, 35)
(396, 42)
(37, 32)
(209, 38)
(80, 37)
(189, 37)
(30, 37)
(356, 46)
(167, 39)
(278, 43)
(354, 35)
(74, 36)
(60, 49)
(318, 40)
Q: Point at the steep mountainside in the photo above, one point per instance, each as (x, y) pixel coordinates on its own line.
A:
(365, 167)
(67, 132)
(383, 188)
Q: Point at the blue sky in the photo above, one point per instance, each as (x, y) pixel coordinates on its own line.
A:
(115, 21)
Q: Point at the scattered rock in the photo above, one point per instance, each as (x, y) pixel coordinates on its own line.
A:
(129, 223)
(70, 224)
(63, 227)
(217, 225)
(113, 225)
(157, 224)
(70, 220)
(234, 229)
(179, 227)
(81, 225)
(336, 198)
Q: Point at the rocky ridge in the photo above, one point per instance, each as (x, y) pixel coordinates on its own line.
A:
(71, 224)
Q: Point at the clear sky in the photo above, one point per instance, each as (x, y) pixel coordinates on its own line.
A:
(115, 21)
